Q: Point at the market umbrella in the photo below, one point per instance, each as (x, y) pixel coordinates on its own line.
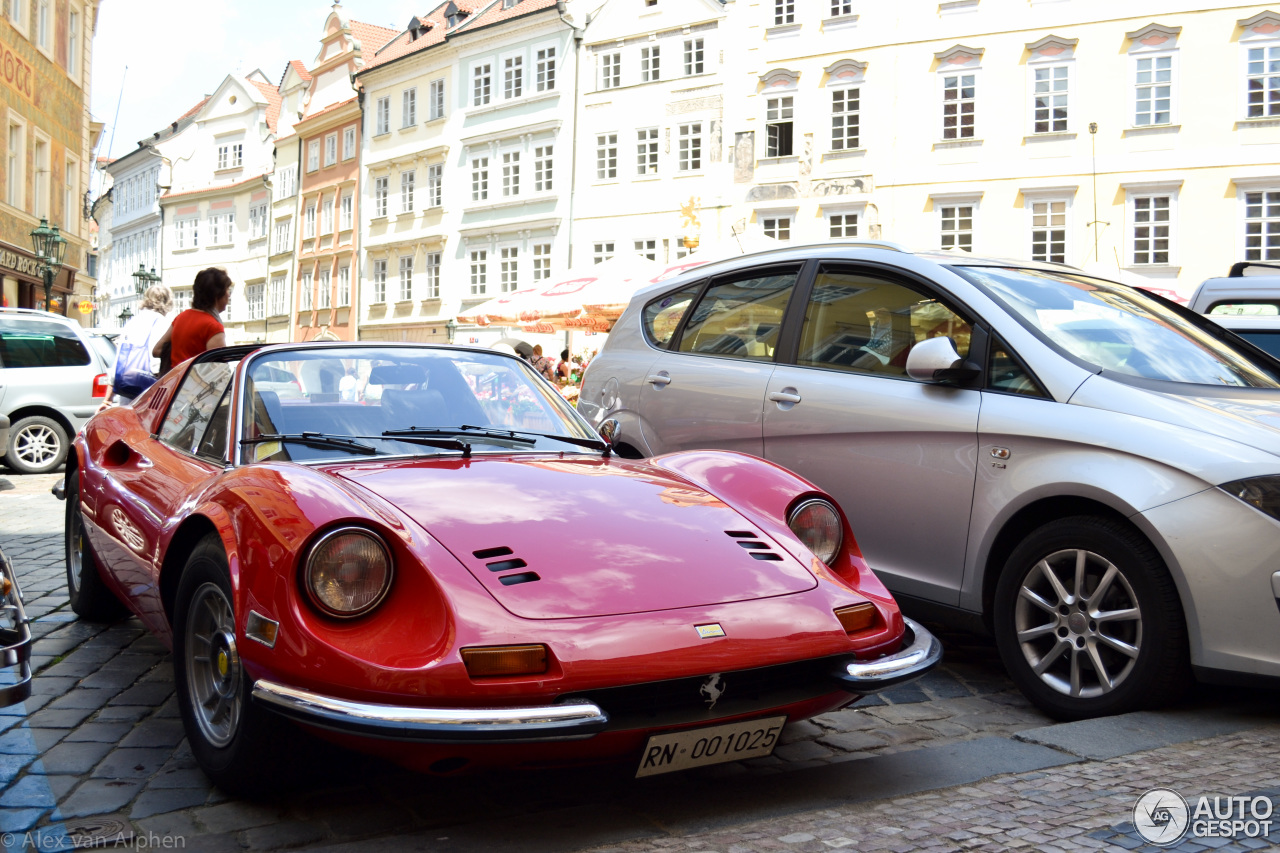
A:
(562, 301)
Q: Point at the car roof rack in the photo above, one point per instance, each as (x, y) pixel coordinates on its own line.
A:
(1238, 268)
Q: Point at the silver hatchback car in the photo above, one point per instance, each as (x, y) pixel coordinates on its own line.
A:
(1088, 471)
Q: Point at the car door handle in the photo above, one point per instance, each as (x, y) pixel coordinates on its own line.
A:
(786, 395)
(659, 379)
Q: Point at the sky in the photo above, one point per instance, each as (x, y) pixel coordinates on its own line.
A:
(178, 51)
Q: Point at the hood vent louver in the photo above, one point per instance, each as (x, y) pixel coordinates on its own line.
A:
(751, 542)
(506, 565)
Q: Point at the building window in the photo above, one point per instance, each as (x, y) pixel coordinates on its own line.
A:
(843, 225)
(958, 105)
(845, 118)
(406, 278)
(647, 248)
(1154, 91)
(545, 69)
(277, 296)
(480, 179)
(542, 168)
(70, 196)
(693, 53)
(647, 151)
(777, 227)
(435, 185)
(784, 12)
(650, 67)
(1262, 82)
(610, 70)
(1049, 231)
(231, 155)
(383, 116)
(73, 43)
(258, 222)
(18, 15)
(380, 192)
(44, 23)
(606, 156)
(541, 261)
(957, 226)
(513, 77)
(511, 173)
(407, 179)
(481, 82)
(1262, 226)
(280, 239)
(348, 142)
(313, 155)
(186, 233)
(1050, 105)
(288, 182)
(409, 107)
(326, 290)
(309, 223)
(222, 227)
(344, 286)
(1151, 229)
(331, 149)
(479, 271)
(508, 258)
(326, 216)
(17, 161)
(602, 252)
(348, 212)
(690, 148)
(255, 301)
(433, 276)
(437, 100)
(841, 7)
(306, 293)
(779, 114)
(380, 281)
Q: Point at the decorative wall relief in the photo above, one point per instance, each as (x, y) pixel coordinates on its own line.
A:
(744, 157)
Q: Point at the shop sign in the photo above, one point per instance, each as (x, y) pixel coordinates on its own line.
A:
(20, 263)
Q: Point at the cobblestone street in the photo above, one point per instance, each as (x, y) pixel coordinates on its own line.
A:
(98, 750)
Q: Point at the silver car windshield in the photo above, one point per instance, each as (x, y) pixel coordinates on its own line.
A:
(357, 394)
(1121, 329)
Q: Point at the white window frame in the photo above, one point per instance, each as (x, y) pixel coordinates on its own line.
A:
(650, 63)
(959, 72)
(648, 150)
(844, 87)
(277, 304)
(479, 259)
(409, 107)
(695, 57)
(648, 247)
(831, 215)
(344, 286)
(955, 202)
(382, 116)
(1269, 226)
(690, 150)
(603, 250)
(436, 109)
(432, 271)
(378, 295)
(778, 224)
(541, 261)
(1154, 56)
(405, 278)
(309, 222)
(1268, 44)
(1033, 199)
(16, 165)
(408, 183)
(255, 296)
(184, 227)
(258, 216)
(222, 227)
(45, 26)
(544, 168)
(74, 17)
(435, 185)
(479, 179)
(611, 70)
(1133, 227)
(324, 289)
(780, 112)
(545, 58)
(1034, 67)
(306, 291)
(481, 84)
(326, 215)
(508, 269)
(346, 215)
(381, 189)
(330, 149)
(606, 156)
(70, 195)
(349, 142)
(513, 82)
(784, 12)
(313, 155)
(510, 174)
(280, 236)
(20, 17)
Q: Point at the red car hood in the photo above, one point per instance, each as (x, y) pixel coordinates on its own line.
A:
(567, 538)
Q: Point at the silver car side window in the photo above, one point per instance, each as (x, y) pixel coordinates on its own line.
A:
(865, 324)
(740, 317)
(25, 343)
(662, 316)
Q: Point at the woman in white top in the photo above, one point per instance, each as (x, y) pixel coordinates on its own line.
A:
(144, 329)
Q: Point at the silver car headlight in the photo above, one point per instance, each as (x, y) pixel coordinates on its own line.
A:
(1261, 493)
(817, 524)
(348, 572)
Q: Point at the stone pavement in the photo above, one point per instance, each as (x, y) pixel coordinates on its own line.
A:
(98, 750)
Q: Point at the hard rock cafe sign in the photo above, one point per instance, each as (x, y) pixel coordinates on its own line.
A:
(19, 263)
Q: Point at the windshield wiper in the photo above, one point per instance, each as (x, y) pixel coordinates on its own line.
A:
(416, 436)
(592, 443)
(520, 436)
(315, 439)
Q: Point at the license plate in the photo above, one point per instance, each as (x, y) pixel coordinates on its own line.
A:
(712, 745)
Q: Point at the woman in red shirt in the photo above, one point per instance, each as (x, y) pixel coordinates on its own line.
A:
(199, 328)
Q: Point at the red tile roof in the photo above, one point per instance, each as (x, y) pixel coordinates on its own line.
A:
(194, 109)
(371, 36)
(328, 109)
(297, 65)
(272, 94)
(215, 188)
(495, 14)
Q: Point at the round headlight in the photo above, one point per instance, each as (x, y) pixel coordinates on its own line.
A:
(817, 524)
(348, 572)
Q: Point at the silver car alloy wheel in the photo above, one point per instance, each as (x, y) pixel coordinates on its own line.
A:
(1078, 623)
(213, 666)
(36, 445)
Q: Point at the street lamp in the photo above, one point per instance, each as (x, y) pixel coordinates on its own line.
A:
(450, 329)
(50, 249)
(125, 315)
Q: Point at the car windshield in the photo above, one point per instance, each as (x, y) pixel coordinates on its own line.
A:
(437, 399)
(1121, 329)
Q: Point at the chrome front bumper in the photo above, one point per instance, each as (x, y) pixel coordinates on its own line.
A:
(434, 725)
(920, 653)
(15, 639)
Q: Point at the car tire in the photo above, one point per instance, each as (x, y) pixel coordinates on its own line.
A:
(1072, 664)
(91, 598)
(37, 445)
(237, 743)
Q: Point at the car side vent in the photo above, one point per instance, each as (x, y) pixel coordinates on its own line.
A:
(490, 553)
(523, 577)
(506, 565)
(757, 549)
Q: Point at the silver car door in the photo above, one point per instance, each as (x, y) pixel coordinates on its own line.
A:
(708, 390)
(898, 455)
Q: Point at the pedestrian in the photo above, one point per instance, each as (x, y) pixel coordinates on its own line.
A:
(564, 370)
(135, 367)
(199, 328)
(544, 364)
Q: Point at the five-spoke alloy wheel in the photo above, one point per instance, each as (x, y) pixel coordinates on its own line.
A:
(37, 445)
(1088, 621)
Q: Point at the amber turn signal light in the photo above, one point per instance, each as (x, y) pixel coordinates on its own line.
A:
(858, 617)
(488, 661)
